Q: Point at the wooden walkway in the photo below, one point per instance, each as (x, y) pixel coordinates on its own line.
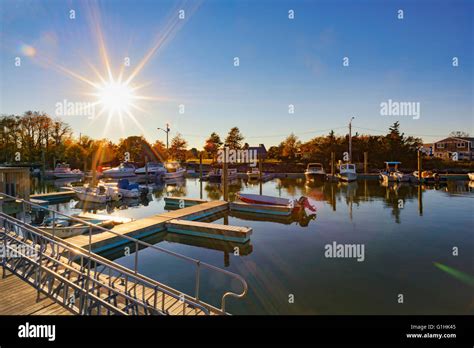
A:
(147, 226)
(20, 298)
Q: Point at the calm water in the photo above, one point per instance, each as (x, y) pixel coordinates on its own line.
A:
(405, 231)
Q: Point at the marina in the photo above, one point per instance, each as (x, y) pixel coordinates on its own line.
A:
(207, 227)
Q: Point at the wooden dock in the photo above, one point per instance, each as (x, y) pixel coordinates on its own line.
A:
(208, 230)
(263, 209)
(55, 196)
(183, 202)
(20, 298)
(145, 227)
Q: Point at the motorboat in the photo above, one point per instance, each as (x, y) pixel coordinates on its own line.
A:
(63, 171)
(217, 174)
(173, 171)
(315, 171)
(152, 168)
(124, 170)
(253, 174)
(347, 172)
(262, 199)
(127, 189)
(392, 174)
(426, 176)
(251, 198)
(99, 194)
(67, 227)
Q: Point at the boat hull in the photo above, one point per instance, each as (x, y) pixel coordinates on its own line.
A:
(174, 175)
(315, 176)
(261, 199)
(347, 177)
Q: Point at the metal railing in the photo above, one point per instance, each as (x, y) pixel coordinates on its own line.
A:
(198, 264)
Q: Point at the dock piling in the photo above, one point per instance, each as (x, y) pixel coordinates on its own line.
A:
(366, 158)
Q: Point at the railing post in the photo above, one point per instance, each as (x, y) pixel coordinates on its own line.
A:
(38, 273)
(198, 277)
(4, 256)
(136, 257)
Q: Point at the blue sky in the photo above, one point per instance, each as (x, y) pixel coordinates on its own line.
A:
(282, 62)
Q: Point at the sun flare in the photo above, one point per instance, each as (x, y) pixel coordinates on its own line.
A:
(115, 97)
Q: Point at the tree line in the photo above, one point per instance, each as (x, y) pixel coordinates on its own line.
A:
(35, 137)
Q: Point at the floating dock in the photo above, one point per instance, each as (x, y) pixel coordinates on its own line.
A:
(158, 223)
(261, 208)
(209, 230)
(183, 202)
(55, 196)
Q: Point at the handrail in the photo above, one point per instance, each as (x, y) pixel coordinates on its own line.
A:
(91, 257)
(137, 242)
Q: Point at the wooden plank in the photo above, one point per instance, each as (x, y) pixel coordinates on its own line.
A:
(209, 230)
(19, 298)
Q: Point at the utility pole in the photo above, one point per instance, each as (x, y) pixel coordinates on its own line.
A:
(350, 140)
(167, 130)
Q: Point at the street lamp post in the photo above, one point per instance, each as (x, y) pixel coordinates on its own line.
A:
(167, 130)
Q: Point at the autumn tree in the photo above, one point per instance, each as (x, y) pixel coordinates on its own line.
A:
(213, 143)
(177, 149)
(234, 138)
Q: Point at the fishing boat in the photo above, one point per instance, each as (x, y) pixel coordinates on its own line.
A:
(427, 176)
(65, 228)
(392, 174)
(471, 176)
(253, 174)
(125, 169)
(63, 171)
(315, 171)
(216, 174)
(99, 194)
(347, 172)
(173, 171)
(154, 169)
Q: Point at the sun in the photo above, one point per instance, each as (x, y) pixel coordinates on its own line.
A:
(115, 97)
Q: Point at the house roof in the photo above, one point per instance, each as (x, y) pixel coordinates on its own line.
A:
(456, 138)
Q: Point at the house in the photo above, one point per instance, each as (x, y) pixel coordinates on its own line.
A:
(463, 146)
(261, 150)
(427, 149)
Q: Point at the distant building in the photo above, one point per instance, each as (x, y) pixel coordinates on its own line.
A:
(463, 146)
(427, 149)
(261, 150)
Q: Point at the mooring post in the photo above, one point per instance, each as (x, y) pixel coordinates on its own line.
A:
(420, 200)
(366, 160)
(333, 159)
(200, 175)
(419, 166)
(260, 173)
(225, 166)
(146, 169)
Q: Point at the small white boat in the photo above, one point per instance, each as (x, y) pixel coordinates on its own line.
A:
(471, 176)
(122, 171)
(217, 174)
(392, 174)
(155, 169)
(100, 194)
(426, 176)
(315, 171)
(63, 171)
(253, 174)
(347, 172)
(262, 199)
(173, 171)
(65, 228)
